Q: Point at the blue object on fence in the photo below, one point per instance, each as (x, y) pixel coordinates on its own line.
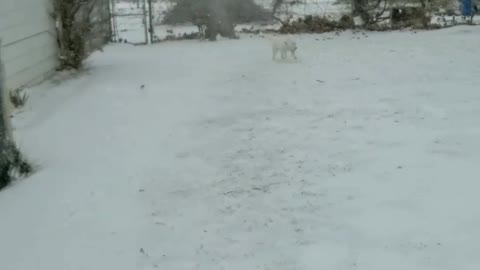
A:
(467, 8)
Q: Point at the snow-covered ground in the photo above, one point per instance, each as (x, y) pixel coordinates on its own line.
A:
(364, 155)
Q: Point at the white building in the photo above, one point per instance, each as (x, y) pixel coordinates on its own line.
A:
(29, 49)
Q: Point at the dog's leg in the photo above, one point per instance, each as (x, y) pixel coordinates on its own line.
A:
(293, 55)
(201, 31)
(283, 54)
(274, 53)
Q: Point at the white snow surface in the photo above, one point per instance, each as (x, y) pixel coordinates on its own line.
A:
(364, 155)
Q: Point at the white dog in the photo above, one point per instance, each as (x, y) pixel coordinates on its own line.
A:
(284, 45)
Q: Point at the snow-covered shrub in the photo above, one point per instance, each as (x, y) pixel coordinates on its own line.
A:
(76, 21)
(12, 161)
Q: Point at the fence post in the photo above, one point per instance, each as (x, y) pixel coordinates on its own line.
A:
(145, 24)
(113, 20)
(110, 26)
(150, 19)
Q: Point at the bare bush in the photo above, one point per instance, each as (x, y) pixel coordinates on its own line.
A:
(75, 24)
(414, 17)
(308, 23)
(12, 162)
(317, 24)
(371, 12)
(396, 14)
(71, 31)
(18, 98)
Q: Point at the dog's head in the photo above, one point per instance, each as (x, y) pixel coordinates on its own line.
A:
(290, 44)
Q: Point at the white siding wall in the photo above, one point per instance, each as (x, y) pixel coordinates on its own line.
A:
(28, 38)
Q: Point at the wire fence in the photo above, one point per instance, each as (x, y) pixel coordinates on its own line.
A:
(131, 21)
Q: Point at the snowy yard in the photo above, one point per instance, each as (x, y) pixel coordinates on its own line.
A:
(364, 155)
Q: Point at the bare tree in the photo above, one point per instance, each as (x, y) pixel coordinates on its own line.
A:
(275, 8)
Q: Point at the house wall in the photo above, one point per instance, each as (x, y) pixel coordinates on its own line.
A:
(29, 49)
